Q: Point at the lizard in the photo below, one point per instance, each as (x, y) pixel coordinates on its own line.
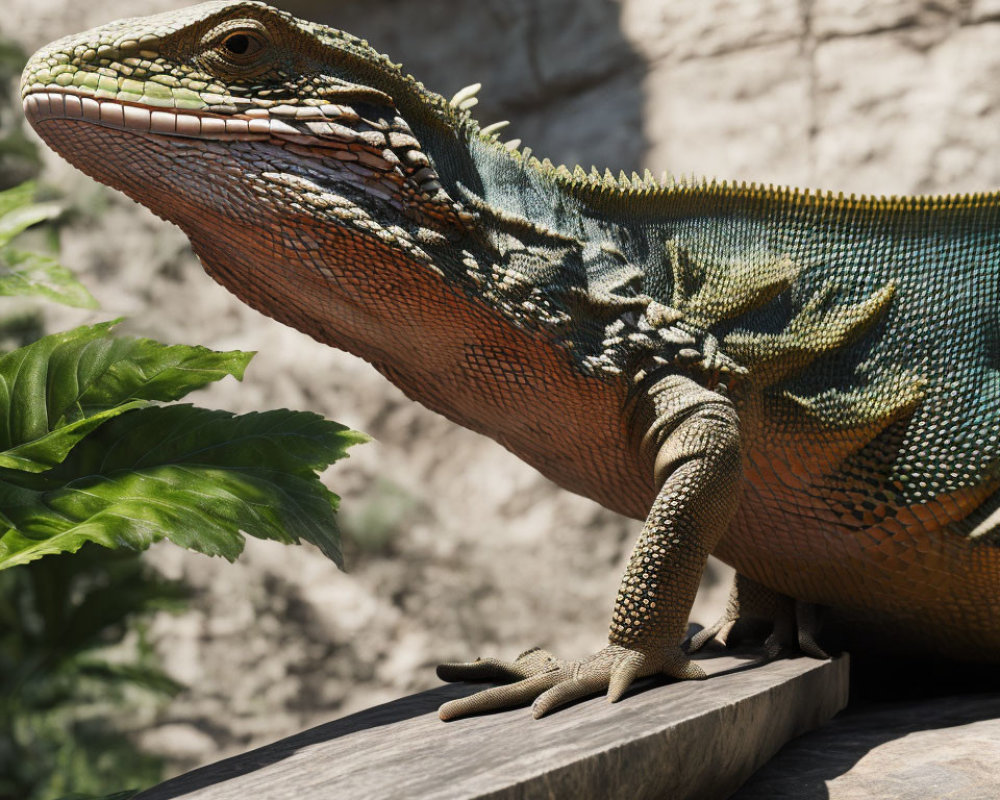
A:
(805, 384)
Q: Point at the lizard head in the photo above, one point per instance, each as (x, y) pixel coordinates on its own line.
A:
(304, 166)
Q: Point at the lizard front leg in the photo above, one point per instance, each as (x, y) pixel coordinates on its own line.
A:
(698, 465)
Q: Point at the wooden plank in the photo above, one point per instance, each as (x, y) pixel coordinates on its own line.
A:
(664, 740)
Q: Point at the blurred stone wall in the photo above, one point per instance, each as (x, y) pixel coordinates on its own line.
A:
(459, 549)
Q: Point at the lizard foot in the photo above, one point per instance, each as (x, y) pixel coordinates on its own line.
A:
(793, 624)
(550, 682)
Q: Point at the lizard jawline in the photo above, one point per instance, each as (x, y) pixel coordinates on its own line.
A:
(359, 160)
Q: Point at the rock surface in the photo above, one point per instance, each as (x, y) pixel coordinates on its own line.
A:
(921, 750)
(456, 541)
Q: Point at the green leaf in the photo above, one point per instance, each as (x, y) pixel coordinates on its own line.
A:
(41, 276)
(55, 391)
(33, 273)
(18, 213)
(20, 219)
(195, 476)
(16, 197)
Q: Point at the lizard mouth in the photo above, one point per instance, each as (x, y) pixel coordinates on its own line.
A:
(390, 157)
(44, 105)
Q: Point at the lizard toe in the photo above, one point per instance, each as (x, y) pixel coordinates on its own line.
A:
(808, 623)
(494, 669)
(676, 664)
(567, 691)
(498, 698)
(549, 683)
(753, 610)
(795, 631)
(719, 631)
(624, 673)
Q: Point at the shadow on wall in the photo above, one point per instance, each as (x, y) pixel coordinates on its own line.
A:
(560, 70)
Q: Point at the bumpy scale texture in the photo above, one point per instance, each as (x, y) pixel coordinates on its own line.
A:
(806, 385)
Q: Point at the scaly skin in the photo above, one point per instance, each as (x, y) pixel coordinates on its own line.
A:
(806, 385)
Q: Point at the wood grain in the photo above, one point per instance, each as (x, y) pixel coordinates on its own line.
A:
(678, 740)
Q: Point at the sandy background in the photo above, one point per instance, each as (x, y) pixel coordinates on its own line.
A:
(457, 548)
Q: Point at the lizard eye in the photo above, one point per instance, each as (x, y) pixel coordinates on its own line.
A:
(238, 48)
(243, 46)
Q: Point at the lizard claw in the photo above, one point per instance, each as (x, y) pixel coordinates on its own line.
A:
(551, 682)
(795, 631)
(565, 692)
(719, 631)
(623, 676)
(794, 624)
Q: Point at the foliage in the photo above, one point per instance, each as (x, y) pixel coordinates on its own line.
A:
(59, 692)
(72, 652)
(196, 476)
(87, 455)
(24, 273)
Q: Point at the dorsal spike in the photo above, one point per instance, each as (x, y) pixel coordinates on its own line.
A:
(465, 98)
(494, 128)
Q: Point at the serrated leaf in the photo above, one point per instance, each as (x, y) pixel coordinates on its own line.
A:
(50, 448)
(23, 274)
(55, 391)
(298, 442)
(195, 476)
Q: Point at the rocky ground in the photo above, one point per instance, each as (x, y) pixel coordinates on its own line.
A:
(456, 547)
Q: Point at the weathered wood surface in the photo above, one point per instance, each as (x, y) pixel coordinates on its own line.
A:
(664, 740)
